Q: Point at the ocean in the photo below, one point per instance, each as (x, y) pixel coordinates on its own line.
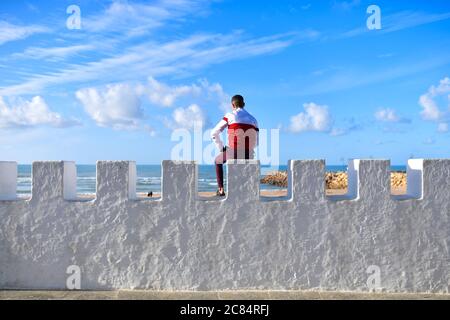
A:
(149, 177)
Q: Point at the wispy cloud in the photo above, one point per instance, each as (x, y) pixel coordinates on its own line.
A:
(350, 79)
(157, 59)
(346, 127)
(400, 21)
(411, 19)
(346, 5)
(384, 142)
(135, 19)
(127, 59)
(385, 55)
(11, 32)
(306, 6)
(52, 53)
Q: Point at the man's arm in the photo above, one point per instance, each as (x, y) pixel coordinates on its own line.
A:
(215, 134)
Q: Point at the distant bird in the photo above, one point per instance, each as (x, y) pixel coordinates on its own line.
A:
(150, 194)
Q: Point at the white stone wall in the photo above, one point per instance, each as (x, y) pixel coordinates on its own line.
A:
(181, 242)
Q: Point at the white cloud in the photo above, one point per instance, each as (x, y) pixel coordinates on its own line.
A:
(315, 118)
(442, 89)
(431, 110)
(117, 106)
(195, 94)
(389, 115)
(188, 118)
(164, 95)
(10, 32)
(215, 91)
(429, 141)
(120, 105)
(202, 92)
(30, 113)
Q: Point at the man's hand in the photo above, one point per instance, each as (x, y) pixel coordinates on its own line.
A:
(215, 134)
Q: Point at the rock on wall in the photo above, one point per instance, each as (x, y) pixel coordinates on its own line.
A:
(183, 242)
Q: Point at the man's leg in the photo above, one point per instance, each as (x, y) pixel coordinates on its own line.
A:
(244, 154)
(220, 160)
(232, 154)
(249, 154)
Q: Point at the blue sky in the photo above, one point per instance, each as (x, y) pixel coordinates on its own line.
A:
(116, 88)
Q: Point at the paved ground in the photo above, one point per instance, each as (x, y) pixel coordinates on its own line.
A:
(223, 295)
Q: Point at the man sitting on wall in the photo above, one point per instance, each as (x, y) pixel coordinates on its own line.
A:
(242, 137)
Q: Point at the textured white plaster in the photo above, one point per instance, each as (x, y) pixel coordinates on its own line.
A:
(182, 242)
(353, 179)
(70, 180)
(8, 180)
(414, 173)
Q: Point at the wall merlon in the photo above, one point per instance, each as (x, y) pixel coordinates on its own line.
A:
(116, 180)
(374, 180)
(306, 181)
(243, 181)
(179, 181)
(53, 180)
(436, 179)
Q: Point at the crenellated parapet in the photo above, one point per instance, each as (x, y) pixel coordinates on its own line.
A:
(117, 180)
(307, 240)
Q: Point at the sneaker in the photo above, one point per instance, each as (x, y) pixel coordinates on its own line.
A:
(220, 194)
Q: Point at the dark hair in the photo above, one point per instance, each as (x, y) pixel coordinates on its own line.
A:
(238, 101)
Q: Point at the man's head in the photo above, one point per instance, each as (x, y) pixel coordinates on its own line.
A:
(238, 102)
